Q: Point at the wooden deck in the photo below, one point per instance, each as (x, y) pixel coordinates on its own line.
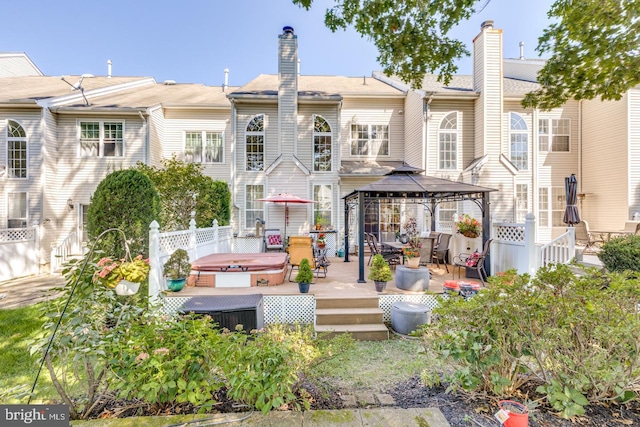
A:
(341, 280)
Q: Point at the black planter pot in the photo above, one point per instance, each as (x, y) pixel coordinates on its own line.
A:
(304, 287)
(380, 286)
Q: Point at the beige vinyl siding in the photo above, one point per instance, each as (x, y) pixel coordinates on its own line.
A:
(177, 122)
(605, 163)
(634, 151)
(30, 121)
(287, 92)
(52, 207)
(378, 111)
(438, 110)
(415, 147)
(12, 65)
(78, 176)
(156, 136)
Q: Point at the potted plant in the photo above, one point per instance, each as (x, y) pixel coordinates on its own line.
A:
(380, 272)
(177, 269)
(321, 240)
(122, 275)
(304, 276)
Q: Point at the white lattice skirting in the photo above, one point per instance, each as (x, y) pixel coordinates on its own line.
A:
(301, 308)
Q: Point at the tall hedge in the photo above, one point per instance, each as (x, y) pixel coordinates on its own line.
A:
(621, 254)
(183, 188)
(125, 199)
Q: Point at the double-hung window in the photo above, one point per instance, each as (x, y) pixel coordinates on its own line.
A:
(17, 212)
(322, 197)
(522, 202)
(203, 147)
(448, 142)
(254, 143)
(16, 150)
(253, 208)
(554, 135)
(519, 137)
(369, 140)
(101, 139)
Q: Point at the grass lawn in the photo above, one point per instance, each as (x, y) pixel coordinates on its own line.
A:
(17, 366)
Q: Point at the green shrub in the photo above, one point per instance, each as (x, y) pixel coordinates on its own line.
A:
(380, 270)
(576, 337)
(125, 199)
(305, 274)
(183, 189)
(621, 253)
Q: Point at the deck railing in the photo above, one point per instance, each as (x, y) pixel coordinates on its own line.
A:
(560, 250)
(62, 252)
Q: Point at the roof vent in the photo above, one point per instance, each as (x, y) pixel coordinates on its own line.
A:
(169, 82)
(521, 51)
(287, 30)
(487, 24)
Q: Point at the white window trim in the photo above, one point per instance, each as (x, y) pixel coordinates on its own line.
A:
(515, 201)
(550, 135)
(313, 142)
(369, 140)
(244, 225)
(331, 197)
(263, 133)
(457, 134)
(7, 199)
(526, 132)
(204, 138)
(101, 123)
(7, 166)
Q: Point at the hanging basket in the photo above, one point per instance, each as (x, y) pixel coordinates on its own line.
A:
(125, 287)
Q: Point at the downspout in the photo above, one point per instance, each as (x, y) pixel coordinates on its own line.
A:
(145, 138)
(580, 106)
(235, 160)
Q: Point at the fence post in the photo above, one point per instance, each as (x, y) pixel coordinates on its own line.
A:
(572, 243)
(36, 249)
(216, 236)
(192, 239)
(154, 259)
(530, 244)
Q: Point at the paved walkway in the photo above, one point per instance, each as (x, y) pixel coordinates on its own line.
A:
(28, 290)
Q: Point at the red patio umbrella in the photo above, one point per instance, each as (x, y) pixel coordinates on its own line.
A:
(285, 198)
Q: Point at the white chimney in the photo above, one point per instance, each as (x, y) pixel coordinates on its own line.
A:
(521, 51)
(109, 68)
(226, 77)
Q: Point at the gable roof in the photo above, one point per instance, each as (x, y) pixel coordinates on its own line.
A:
(30, 89)
(333, 87)
(13, 64)
(166, 95)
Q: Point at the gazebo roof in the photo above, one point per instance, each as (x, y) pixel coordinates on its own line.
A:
(407, 182)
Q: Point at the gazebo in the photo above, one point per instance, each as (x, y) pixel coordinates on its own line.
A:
(408, 183)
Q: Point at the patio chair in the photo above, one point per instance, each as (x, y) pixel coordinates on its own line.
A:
(584, 237)
(474, 261)
(373, 248)
(426, 251)
(441, 252)
(392, 256)
(303, 248)
(272, 240)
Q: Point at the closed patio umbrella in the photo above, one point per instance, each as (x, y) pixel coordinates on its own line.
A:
(571, 214)
(286, 198)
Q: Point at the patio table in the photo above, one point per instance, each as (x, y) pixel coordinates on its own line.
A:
(606, 235)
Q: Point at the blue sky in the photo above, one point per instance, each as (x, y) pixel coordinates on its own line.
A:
(193, 41)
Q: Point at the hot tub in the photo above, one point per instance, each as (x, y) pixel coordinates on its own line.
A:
(241, 270)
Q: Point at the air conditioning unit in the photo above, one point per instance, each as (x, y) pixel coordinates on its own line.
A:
(228, 311)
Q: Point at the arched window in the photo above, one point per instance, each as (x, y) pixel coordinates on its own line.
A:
(448, 142)
(519, 137)
(321, 145)
(255, 144)
(16, 150)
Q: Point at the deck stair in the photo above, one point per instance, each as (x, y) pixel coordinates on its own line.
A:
(362, 317)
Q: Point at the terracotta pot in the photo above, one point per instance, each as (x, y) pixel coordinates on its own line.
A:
(518, 413)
